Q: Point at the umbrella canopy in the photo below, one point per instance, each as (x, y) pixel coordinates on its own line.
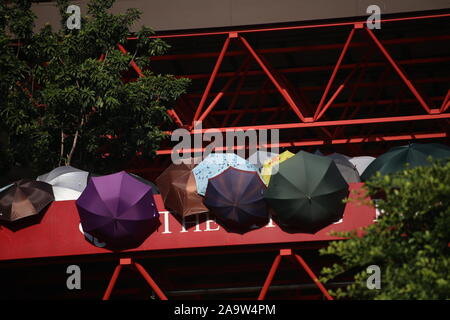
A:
(260, 157)
(179, 190)
(415, 154)
(345, 167)
(216, 163)
(68, 182)
(24, 198)
(235, 197)
(336, 155)
(318, 152)
(307, 192)
(155, 189)
(269, 165)
(361, 163)
(118, 209)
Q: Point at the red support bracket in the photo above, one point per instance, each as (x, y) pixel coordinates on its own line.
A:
(174, 116)
(283, 91)
(399, 71)
(303, 264)
(224, 89)
(333, 75)
(309, 143)
(132, 63)
(130, 262)
(446, 102)
(212, 78)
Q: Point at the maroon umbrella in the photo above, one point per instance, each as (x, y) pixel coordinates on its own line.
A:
(118, 209)
(24, 198)
(235, 197)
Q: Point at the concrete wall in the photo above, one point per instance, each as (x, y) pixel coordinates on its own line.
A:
(164, 15)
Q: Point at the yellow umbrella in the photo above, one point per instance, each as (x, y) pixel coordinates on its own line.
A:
(266, 171)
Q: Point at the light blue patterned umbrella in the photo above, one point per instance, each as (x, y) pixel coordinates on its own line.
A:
(216, 163)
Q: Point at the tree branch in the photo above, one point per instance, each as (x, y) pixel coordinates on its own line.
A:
(74, 143)
(61, 154)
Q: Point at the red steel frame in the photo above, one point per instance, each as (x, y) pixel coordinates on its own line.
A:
(303, 264)
(130, 262)
(300, 107)
(293, 98)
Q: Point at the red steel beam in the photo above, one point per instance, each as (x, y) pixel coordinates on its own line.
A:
(353, 92)
(336, 93)
(318, 88)
(313, 276)
(308, 143)
(212, 77)
(112, 282)
(236, 95)
(398, 70)
(332, 123)
(225, 88)
(132, 63)
(266, 70)
(323, 68)
(333, 74)
(269, 278)
(150, 281)
(335, 105)
(445, 103)
(252, 101)
(310, 26)
(320, 47)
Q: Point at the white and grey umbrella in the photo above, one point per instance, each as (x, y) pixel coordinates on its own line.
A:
(68, 182)
(318, 152)
(336, 155)
(361, 163)
(345, 167)
(259, 157)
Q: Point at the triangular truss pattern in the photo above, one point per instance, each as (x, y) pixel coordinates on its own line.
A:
(322, 107)
(289, 94)
(278, 81)
(370, 94)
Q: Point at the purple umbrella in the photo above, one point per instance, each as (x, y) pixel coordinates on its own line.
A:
(235, 197)
(118, 209)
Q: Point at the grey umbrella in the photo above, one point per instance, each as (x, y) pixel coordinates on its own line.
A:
(68, 182)
(345, 167)
(361, 163)
(260, 157)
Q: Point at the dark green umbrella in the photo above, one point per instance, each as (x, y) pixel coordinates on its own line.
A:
(415, 154)
(307, 192)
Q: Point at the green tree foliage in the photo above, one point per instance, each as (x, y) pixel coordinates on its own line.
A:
(63, 98)
(409, 242)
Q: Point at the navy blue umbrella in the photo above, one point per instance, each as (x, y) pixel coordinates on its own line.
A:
(235, 197)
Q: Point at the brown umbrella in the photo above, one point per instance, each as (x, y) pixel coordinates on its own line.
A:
(179, 191)
(24, 198)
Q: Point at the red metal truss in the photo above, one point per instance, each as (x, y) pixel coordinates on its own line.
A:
(130, 262)
(397, 106)
(303, 264)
